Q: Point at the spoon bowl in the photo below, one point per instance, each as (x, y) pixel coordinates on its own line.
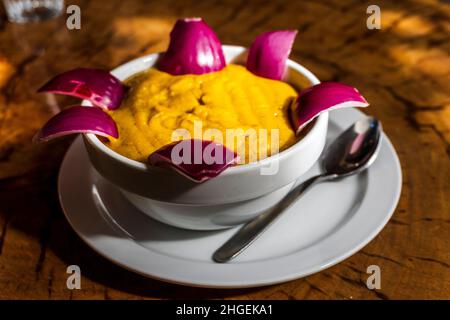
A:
(354, 150)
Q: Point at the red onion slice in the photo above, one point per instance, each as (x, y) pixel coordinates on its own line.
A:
(78, 119)
(268, 53)
(198, 160)
(325, 96)
(194, 49)
(98, 86)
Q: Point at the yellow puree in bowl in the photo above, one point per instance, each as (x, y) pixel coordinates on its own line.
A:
(233, 98)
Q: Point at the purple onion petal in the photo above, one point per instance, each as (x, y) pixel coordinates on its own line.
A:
(195, 159)
(78, 119)
(194, 49)
(268, 53)
(100, 87)
(322, 97)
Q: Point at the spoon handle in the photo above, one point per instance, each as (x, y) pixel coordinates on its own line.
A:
(253, 229)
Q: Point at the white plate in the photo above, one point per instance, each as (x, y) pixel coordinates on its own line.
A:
(329, 223)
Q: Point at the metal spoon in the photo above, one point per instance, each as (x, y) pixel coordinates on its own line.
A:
(352, 152)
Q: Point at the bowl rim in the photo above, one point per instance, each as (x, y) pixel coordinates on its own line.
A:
(140, 166)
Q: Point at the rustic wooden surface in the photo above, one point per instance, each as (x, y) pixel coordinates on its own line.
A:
(403, 70)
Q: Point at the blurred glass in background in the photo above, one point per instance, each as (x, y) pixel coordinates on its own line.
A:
(23, 11)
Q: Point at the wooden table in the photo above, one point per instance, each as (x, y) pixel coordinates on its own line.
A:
(402, 69)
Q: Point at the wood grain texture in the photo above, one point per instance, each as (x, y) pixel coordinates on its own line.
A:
(402, 69)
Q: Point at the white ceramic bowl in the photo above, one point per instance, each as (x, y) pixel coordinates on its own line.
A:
(235, 196)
